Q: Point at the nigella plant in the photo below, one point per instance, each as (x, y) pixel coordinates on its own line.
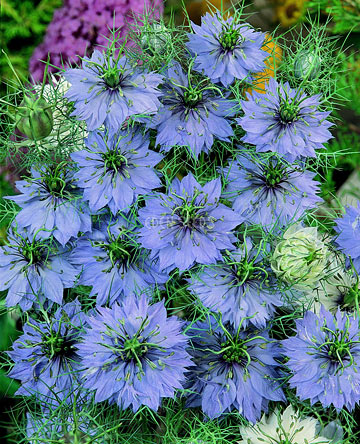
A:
(33, 269)
(285, 121)
(114, 263)
(268, 191)
(193, 113)
(45, 356)
(51, 202)
(234, 369)
(187, 225)
(324, 358)
(348, 229)
(107, 90)
(238, 287)
(134, 355)
(226, 50)
(115, 168)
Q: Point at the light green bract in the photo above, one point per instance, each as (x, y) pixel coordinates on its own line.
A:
(301, 258)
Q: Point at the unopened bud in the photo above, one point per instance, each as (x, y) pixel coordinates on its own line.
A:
(307, 65)
(35, 118)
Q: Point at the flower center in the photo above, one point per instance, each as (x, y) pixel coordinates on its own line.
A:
(134, 349)
(192, 97)
(56, 182)
(274, 175)
(288, 112)
(112, 77)
(34, 253)
(114, 161)
(55, 345)
(229, 38)
(235, 351)
(245, 270)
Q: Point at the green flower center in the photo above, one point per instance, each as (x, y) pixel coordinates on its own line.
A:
(34, 253)
(55, 345)
(235, 351)
(229, 38)
(55, 181)
(134, 349)
(192, 97)
(120, 251)
(114, 161)
(274, 175)
(288, 112)
(112, 77)
(245, 270)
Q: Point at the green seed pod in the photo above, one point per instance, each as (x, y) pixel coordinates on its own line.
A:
(307, 65)
(156, 39)
(35, 118)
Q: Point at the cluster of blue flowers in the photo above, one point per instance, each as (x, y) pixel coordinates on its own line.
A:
(110, 220)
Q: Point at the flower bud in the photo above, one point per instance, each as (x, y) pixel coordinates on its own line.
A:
(307, 65)
(156, 39)
(301, 257)
(35, 118)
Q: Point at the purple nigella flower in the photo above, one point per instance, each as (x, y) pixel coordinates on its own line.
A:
(191, 115)
(51, 202)
(266, 191)
(107, 91)
(115, 169)
(188, 224)
(133, 354)
(233, 370)
(226, 50)
(238, 287)
(285, 121)
(114, 263)
(34, 269)
(324, 359)
(45, 356)
(348, 229)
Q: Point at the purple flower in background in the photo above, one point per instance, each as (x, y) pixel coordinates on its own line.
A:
(51, 204)
(82, 25)
(108, 91)
(238, 287)
(115, 169)
(266, 191)
(45, 356)
(226, 50)
(114, 263)
(233, 370)
(188, 225)
(34, 269)
(348, 229)
(191, 115)
(285, 121)
(324, 358)
(133, 354)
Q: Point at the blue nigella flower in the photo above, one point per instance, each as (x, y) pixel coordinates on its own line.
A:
(115, 169)
(45, 356)
(239, 287)
(114, 263)
(266, 191)
(108, 90)
(50, 200)
(226, 50)
(348, 229)
(234, 369)
(193, 113)
(188, 225)
(285, 121)
(34, 269)
(133, 354)
(324, 358)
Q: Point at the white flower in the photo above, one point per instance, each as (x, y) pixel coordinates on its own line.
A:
(287, 428)
(301, 257)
